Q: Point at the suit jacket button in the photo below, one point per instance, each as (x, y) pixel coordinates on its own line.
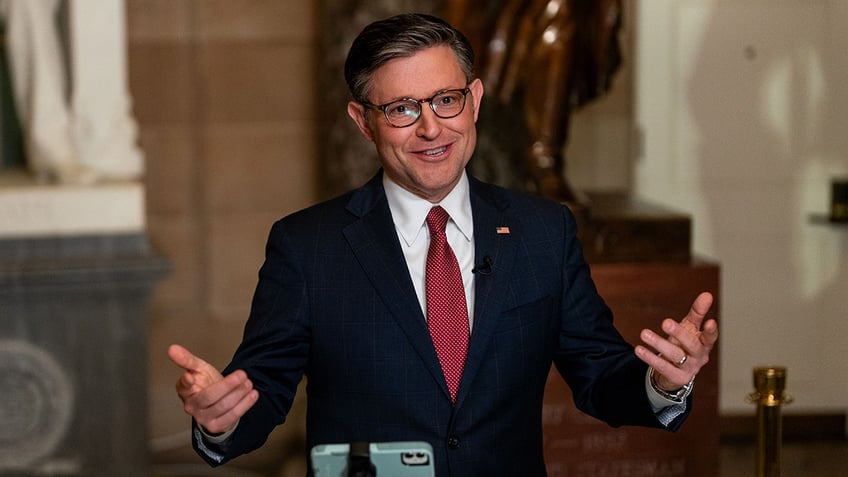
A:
(453, 442)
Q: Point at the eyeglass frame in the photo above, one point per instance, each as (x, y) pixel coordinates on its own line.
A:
(385, 107)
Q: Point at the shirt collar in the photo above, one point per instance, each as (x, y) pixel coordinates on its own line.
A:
(410, 211)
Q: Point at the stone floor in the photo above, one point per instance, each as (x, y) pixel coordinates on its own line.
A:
(806, 459)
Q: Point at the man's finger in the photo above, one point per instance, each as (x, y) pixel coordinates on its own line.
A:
(710, 334)
(699, 309)
(235, 383)
(219, 406)
(230, 418)
(674, 375)
(186, 360)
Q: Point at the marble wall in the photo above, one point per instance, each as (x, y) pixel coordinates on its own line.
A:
(224, 96)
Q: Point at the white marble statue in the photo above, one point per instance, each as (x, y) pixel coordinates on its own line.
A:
(76, 119)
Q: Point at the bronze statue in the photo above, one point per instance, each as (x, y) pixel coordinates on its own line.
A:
(545, 58)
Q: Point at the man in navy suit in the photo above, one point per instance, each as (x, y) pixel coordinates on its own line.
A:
(341, 296)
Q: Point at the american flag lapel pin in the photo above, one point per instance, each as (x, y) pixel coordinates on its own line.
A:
(502, 230)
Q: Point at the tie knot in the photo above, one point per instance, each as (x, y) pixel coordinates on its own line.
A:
(437, 219)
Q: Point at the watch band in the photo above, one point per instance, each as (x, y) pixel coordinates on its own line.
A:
(676, 396)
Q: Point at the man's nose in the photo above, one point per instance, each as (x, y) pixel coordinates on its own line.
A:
(428, 124)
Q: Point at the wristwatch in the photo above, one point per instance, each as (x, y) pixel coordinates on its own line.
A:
(676, 396)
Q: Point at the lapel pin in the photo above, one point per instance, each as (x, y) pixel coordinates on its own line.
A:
(502, 230)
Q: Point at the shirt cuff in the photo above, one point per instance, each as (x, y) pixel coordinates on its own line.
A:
(216, 438)
(666, 410)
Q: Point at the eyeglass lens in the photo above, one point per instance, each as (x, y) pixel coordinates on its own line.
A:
(446, 105)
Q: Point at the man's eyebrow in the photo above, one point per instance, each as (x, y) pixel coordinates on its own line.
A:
(438, 92)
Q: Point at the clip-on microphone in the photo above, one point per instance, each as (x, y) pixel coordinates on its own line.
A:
(485, 268)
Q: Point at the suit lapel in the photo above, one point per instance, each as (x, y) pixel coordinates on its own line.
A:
(374, 242)
(493, 238)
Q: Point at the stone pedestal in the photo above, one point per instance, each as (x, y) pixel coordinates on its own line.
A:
(620, 228)
(640, 295)
(73, 332)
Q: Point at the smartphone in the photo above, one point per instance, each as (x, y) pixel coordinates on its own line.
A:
(391, 459)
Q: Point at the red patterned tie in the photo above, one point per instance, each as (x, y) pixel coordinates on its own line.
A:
(447, 315)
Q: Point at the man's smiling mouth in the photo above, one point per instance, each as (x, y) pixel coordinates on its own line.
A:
(435, 152)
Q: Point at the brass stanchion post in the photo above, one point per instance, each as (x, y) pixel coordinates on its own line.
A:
(769, 384)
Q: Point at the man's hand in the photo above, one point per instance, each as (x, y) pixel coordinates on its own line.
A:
(678, 358)
(216, 402)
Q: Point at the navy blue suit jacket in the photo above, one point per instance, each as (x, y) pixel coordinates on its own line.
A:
(335, 302)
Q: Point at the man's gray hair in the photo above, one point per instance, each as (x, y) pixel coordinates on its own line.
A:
(401, 36)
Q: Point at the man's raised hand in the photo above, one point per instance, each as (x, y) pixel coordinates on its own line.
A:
(216, 402)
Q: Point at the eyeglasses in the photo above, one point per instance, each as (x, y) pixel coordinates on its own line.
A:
(405, 112)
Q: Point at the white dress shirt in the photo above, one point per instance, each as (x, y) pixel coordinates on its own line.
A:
(409, 213)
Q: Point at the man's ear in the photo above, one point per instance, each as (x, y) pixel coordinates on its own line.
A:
(357, 112)
(476, 88)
